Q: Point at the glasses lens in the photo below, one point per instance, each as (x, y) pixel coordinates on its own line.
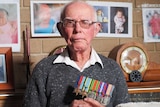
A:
(85, 23)
(68, 23)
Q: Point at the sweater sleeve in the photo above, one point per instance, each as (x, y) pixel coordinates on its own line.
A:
(122, 95)
(35, 92)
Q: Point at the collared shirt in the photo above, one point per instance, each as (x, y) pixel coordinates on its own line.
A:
(64, 58)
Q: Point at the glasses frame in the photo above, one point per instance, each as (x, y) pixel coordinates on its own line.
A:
(81, 22)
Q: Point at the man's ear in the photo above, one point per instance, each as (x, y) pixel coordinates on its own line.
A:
(60, 29)
(98, 27)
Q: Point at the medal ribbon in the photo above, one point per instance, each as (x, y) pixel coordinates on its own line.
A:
(110, 90)
(79, 80)
(82, 83)
(98, 87)
(91, 85)
(104, 89)
(87, 84)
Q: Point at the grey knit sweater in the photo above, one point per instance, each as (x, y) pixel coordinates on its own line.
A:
(51, 85)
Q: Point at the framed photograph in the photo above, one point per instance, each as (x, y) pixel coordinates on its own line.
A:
(151, 24)
(44, 17)
(115, 18)
(10, 24)
(6, 69)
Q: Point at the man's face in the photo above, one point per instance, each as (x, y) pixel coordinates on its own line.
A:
(3, 18)
(77, 37)
(45, 14)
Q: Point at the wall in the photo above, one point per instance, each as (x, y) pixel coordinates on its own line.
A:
(40, 47)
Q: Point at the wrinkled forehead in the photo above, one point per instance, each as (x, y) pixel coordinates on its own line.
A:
(79, 9)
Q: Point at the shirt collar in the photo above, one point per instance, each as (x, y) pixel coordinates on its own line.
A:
(64, 58)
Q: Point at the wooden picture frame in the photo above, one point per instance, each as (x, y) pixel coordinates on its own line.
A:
(6, 69)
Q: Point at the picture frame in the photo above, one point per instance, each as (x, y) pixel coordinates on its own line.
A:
(150, 24)
(108, 9)
(108, 14)
(10, 29)
(6, 69)
(52, 9)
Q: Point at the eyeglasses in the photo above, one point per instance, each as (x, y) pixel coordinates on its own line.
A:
(71, 23)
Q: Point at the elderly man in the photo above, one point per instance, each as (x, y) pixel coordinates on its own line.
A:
(78, 77)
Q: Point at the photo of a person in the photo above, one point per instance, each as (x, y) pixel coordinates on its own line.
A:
(43, 22)
(119, 20)
(8, 28)
(154, 24)
(105, 13)
(2, 69)
(102, 17)
(151, 24)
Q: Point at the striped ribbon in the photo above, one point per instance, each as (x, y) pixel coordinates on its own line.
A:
(82, 82)
(87, 84)
(100, 88)
(109, 90)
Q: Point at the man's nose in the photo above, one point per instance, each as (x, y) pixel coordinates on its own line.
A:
(77, 27)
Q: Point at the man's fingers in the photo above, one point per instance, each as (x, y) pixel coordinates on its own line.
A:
(93, 102)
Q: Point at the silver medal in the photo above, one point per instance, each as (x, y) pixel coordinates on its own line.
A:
(106, 100)
(91, 94)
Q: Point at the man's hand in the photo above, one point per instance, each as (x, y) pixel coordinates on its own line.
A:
(86, 102)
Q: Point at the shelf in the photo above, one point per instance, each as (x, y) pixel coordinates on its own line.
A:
(143, 87)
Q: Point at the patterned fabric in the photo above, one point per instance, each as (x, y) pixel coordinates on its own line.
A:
(52, 85)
